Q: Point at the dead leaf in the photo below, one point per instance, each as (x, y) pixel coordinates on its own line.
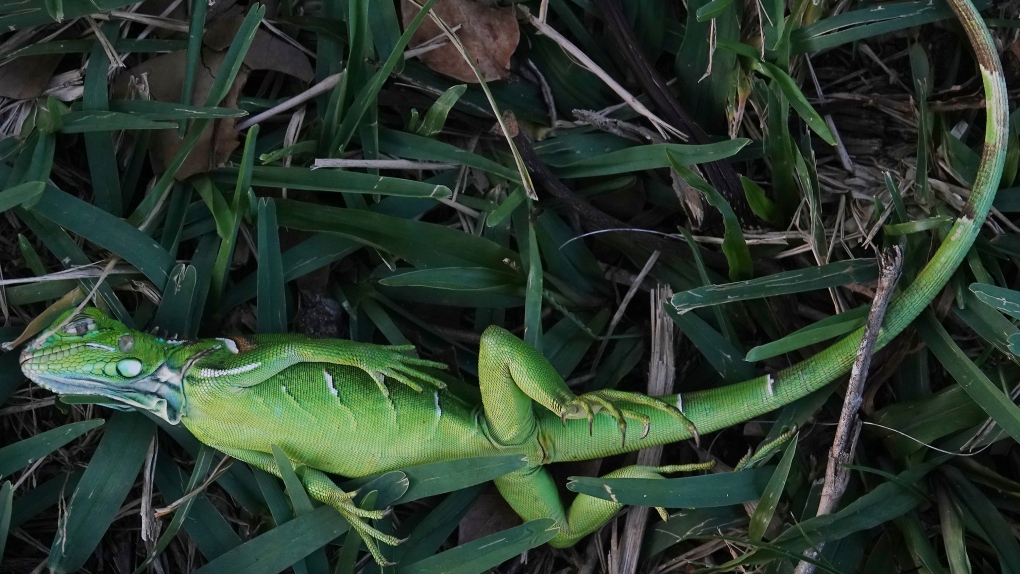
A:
(26, 77)
(488, 515)
(165, 76)
(489, 35)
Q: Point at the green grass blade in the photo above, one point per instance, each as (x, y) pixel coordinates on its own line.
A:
(724, 357)
(42, 497)
(196, 28)
(101, 491)
(487, 552)
(413, 146)
(99, 147)
(437, 526)
(21, 454)
(420, 244)
(221, 84)
(766, 508)
(704, 491)
(202, 464)
(887, 501)
(454, 279)
(653, 156)
(869, 22)
(734, 246)
(997, 530)
(174, 313)
(785, 283)
(91, 122)
(797, 100)
(282, 546)
(953, 534)
(6, 502)
(442, 477)
(1005, 300)
(984, 392)
(206, 527)
(828, 328)
(25, 194)
(109, 232)
(169, 111)
(368, 94)
(339, 181)
(315, 562)
(272, 300)
(435, 118)
(22, 15)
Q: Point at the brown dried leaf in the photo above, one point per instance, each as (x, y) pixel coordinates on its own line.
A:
(489, 35)
(165, 76)
(488, 515)
(26, 77)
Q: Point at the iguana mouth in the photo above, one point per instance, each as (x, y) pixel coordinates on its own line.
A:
(29, 353)
(160, 392)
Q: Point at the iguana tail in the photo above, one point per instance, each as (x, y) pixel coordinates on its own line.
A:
(720, 408)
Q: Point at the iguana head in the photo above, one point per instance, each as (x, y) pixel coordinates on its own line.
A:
(92, 354)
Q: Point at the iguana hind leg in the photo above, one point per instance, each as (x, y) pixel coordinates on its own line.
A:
(533, 494)
(513, 376)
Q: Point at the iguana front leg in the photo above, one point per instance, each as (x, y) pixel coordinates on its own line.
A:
(321, 488)
(244, 362)
(513, 376)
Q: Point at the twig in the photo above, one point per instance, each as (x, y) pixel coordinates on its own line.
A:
(837, 476)
(618, 316)
(617, 127)
(381, 164)
(326, 84)
(661, 377)
(222, 467)
(661, 125)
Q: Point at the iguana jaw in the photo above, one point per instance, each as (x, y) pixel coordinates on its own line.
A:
(92, 354)
(160, 393)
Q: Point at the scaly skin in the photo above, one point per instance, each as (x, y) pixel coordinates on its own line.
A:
(326, 405)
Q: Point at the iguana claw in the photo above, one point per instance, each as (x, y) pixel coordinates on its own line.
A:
(589, 404)
(392, 361)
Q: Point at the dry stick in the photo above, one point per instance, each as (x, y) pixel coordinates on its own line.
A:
(224, 465)
(327, 83)
(661, 125)
(837, 476)
(661, 376)
(618, 316)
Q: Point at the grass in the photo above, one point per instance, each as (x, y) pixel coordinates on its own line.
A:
(825, 133)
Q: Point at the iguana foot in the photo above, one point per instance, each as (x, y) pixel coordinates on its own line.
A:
(356, 517)
(586, 406)
(392, 361)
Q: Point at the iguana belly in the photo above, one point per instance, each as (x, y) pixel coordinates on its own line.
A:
(335, 419)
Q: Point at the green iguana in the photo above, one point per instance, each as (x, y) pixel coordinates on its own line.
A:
(326, 404)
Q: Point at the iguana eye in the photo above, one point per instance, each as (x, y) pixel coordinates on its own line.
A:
(125, 343)
(79, 327)
(129, 368)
